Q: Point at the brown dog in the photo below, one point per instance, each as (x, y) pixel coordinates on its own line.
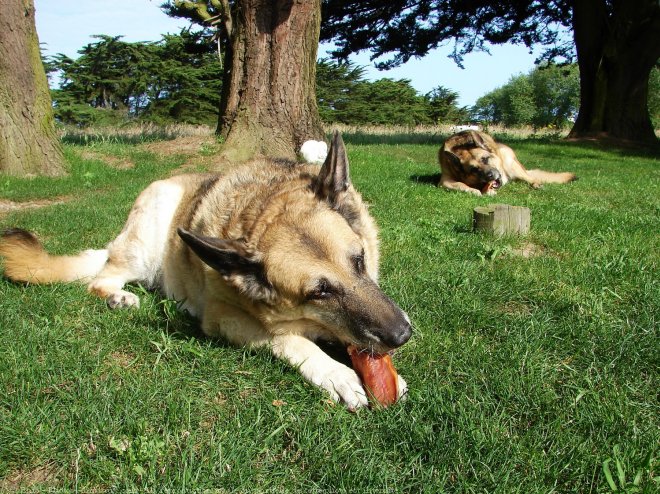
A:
(275, 255)
(473, 162)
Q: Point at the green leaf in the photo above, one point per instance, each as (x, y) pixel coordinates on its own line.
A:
(620, 473)
(608, 475)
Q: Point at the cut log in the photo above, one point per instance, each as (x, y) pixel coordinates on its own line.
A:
(501, 219)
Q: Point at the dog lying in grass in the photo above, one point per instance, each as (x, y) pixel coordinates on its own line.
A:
(272, 254)
(473, 162)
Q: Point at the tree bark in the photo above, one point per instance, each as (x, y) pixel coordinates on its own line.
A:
(616, 53)
(269, 101)
(28, 142)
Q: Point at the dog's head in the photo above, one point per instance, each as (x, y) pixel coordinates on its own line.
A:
(472, 158)
(315, 266)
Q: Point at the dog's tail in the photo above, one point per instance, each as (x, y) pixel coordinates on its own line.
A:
(25, 260)
(544, 177)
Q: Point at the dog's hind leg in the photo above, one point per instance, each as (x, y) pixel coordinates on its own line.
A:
(541, 176)
(136, 255)
(110, 282)
(515, 170)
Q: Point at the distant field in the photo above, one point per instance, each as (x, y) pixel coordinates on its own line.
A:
(533, 367)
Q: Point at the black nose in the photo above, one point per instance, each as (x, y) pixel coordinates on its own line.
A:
(492, 174)
(397, 336)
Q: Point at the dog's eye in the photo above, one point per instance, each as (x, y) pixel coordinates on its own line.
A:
(358, 263)
(322, 291)
(484, 160)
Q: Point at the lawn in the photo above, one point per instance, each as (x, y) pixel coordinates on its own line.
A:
(533, 367)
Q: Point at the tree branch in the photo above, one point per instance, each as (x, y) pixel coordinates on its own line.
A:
(198, 7)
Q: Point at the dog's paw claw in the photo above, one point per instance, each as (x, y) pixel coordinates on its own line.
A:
(123, 299)
(343, 385)
(352, 394)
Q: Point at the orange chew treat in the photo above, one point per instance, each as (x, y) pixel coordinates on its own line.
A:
(487, 187)
(378, 376)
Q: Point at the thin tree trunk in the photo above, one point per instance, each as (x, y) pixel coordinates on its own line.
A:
(28, 142)
(615, 56)
(270, 105)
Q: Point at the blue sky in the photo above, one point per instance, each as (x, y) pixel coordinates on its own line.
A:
(65, 26)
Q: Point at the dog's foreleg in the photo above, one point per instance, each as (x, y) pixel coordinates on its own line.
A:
(459, 186)
(320, 369)
(241, 329)
(221, 320)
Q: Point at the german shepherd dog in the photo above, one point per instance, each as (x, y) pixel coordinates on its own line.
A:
(273, 254)
(473, 162)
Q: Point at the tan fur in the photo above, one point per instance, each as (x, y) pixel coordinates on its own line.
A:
(272, 254)
(26, 261)
(469, 160)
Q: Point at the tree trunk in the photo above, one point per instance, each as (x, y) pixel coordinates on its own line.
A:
(28, 142)
(616, 53)
(269, 101)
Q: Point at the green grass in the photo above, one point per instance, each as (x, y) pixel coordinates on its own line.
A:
(526, 374)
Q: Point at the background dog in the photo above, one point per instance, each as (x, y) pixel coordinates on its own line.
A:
(473, 162)
(272, 254)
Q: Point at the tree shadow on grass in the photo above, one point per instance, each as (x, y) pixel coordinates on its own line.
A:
(597, 145)
(366, 138)
(86, 140)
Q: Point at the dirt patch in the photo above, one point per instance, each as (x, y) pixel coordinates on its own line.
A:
(9, 206)
(514, 308)
(108, 159)
(28, 480)
(201, 152)
(122, 360)
(529, 249)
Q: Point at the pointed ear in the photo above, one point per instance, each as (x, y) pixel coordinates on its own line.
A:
(225, 256)
(233, 261)
(453, 161)
(479, 141)
(333, 179)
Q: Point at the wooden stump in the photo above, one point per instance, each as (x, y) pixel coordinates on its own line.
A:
(501, 219)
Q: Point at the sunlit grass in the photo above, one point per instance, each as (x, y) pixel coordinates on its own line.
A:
(533, 366)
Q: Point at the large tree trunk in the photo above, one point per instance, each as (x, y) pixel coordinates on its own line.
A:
(616, 53)
(28, 142)
(269, 104)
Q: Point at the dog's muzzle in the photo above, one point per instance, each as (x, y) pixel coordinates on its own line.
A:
(493, 177)
(398, 335)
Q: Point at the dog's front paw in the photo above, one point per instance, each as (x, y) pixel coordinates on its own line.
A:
(491, 192)
(343, 384)
(536, 185)
(475, 192)
(121, 299)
